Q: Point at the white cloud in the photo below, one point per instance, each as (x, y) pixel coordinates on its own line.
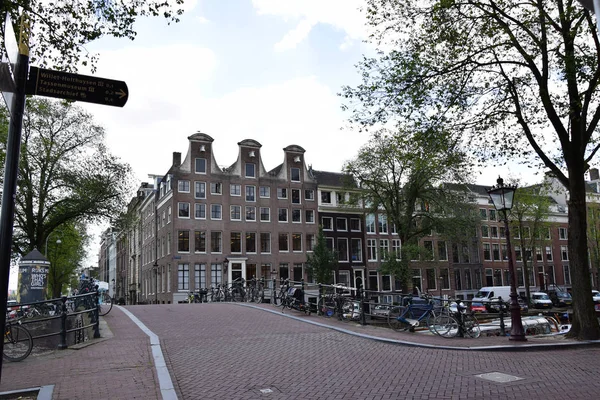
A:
(341, 14)
(295, 36)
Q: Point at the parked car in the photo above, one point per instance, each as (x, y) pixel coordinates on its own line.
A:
(560, 298)
(540, 300)
(478, 307)
(596, 296)
(380, 311)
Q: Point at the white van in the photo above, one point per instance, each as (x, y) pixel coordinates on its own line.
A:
(490, 294)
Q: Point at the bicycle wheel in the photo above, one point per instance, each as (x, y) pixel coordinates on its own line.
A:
(393, 318)
(258, 296)
(106, 304)
(445, 325)
(17, 343)
(350, 310)
(326, 306)
(471, 326)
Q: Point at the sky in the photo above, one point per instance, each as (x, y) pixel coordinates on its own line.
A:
(268, 70)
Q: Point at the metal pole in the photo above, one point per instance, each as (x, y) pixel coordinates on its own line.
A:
(517, 333)
(11, 169)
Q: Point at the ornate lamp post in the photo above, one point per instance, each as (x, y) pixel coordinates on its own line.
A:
(155, 269)
(502, 196)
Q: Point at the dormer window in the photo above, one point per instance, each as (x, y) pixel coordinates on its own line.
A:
(250, 170)
(295, 174)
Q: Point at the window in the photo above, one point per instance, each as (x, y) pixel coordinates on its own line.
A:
(200, 165)
(492, 215)
(183, 186)
(327, 223)
(442, 251)
(200, 190)
(265, 242)
(235, 213)
(325, 197)
(284, 244)
(483, 213)
(549, 253)
(489, 277)
(200, 276)
(494, 231)
(215, 211)
(200, 242)
(183, 241)
(567, 273)
(183, 277)
(329, 243)
(309, 216)
(487, 255)
(445, 278)
(250, 213)
(250, 193)
(342, 249)
(373, 281)
(282, 215)
(264, 191)
(216, 242)
(216, 188)
(296, 242)
(215, 274)
(564, 253)
(372, 249)
(295, 174)
(526, 233)
(384, 248)
(311, 241)
(296, 215)
(502, 231)
(309, 194)
(496, 251)
(548, 235)
(355, 224)
(428, 245)
(518, 254)
(281, 193)
(562, 233)
(250, 242)
(431, 278)
(184, 210)
(265, 214)
(341, 224)
(200, 211)
(538, 254)
(383, 225)
(356, 250)
(250, 170)
(504, 250)
(396, 248)
(235, 189)
(236, 242)
(468, 282)
(498, 277)
(295, 196)
(370, 223)
(466, 254)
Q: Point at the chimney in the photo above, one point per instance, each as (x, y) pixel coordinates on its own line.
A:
(594, 174)
(176, 159)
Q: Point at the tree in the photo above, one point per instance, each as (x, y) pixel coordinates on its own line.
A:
(402, 176)
(67, 177)
(515, 80)
(63, 28)
(530, 212)
(65, 257)
(593, 236)
(322, 262)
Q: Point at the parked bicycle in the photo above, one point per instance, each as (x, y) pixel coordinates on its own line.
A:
(256, 290)
(457, 321)
(281, 295)
(18, 342)
(412, 315)
(104, 300)
(339, 303)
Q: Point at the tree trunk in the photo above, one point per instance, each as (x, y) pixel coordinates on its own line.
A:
(585, 323)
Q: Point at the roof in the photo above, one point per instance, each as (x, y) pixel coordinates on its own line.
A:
(336, 179)
(34, 255)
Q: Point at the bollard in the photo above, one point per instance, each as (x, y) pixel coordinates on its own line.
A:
(96, 314)
(319, 297)
(274, 292)
(63, 324)
(363, 305)
(501, 307)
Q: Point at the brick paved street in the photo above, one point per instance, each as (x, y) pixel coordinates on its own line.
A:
(232, 351)
(227, 351)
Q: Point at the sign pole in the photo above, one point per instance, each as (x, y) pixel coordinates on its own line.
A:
(11, 170)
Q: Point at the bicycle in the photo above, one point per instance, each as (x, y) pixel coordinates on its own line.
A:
(281, 295)
(456, 322)
(256, 291)
(105, 302)
(410, 316)
(340, 304)
(18, 342)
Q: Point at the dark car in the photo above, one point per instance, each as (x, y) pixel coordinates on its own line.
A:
(560, 298)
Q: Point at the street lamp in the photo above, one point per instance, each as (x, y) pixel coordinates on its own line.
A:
(502, 197)
(58, 241)
(155, 269)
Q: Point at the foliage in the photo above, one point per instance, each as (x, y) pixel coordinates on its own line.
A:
(65, 257)
(514, 80)
(530, 212)
(61, 29)
(322, 262)
(66, 174)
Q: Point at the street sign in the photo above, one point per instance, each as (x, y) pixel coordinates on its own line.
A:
(10, 52)
(64, 85)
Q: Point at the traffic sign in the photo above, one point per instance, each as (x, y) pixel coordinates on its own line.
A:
(64, 85)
